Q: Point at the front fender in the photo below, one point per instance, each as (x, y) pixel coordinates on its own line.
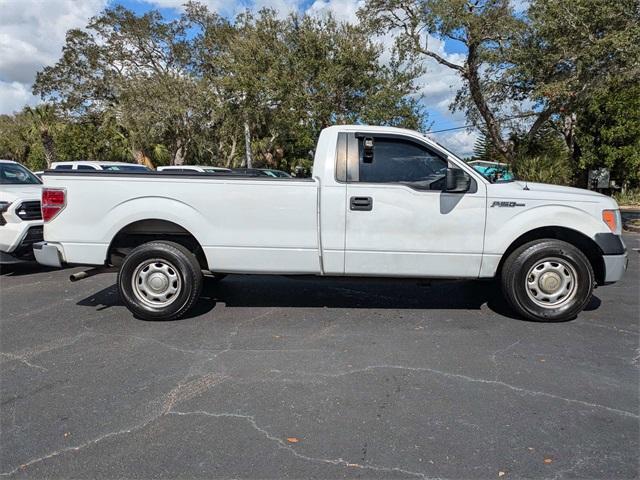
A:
(504, 225)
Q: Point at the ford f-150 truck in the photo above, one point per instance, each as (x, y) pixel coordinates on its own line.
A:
(382, 202)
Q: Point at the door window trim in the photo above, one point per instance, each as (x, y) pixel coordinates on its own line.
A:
(350, 154)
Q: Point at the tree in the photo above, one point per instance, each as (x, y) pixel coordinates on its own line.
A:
(43, 121)
(487, 28)
(200, 86)
(483, 149)
(570, 53)
(133, 70)
(278, 82)
(608, 131)
(541, 64)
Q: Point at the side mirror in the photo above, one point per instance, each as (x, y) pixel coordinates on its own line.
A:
(458, 181)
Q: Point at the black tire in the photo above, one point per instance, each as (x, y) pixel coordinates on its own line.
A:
(519, 280)
(183, 273)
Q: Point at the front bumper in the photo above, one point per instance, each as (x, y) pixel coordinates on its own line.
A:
(48, 254)
(22, 250)
(614, 267)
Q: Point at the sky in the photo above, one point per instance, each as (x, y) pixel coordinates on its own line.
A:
(32, 34)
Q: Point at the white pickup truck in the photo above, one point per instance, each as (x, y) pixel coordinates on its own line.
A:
(383, 202)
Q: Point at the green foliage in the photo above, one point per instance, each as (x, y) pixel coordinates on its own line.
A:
(188, 89)
(608, 131)
(628, 197)
(543, 169)
(547, 65)
(484, 150)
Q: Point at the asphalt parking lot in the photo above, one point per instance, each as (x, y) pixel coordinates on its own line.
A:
(274, 377)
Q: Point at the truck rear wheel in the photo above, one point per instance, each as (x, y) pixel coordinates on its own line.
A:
(547, 280)
(160, 281)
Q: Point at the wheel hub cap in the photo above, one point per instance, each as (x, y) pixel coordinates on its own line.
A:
(156, 283)
(551, 282)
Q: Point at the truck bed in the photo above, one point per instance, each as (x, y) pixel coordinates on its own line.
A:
(243, 223)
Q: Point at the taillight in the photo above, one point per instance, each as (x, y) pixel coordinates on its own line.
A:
(53, 202)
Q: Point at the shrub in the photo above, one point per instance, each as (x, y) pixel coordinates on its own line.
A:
(543, 169)
(629, 197)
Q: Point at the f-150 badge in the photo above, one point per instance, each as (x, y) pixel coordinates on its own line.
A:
(507, 204)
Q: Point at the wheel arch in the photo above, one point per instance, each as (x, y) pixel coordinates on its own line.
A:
(139, 232)
(579, 240)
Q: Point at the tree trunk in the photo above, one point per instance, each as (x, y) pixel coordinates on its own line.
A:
(232, 153)
(475, 89)
(247, 144)
(49, 147)
(142, 158)
(179, 154)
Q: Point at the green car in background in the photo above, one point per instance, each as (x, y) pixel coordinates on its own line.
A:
(494, 171)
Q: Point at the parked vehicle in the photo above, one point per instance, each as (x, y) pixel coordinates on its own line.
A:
(261, 172)
(276, 173)
(87, 165)
(193, 168)
(382, 202)
(20, 217)
(493, 170)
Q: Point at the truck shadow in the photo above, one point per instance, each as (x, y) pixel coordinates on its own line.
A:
(291, 292)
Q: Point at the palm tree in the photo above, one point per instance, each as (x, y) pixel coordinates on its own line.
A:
(43, 121)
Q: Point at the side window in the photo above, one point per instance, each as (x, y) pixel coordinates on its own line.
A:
(396, 160)
(63, 167)
(85, 167)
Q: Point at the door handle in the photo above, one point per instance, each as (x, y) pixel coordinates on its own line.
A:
(364, 204)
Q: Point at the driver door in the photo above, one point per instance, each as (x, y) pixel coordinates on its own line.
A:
(399, 219)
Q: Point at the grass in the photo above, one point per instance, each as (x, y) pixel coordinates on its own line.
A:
(630, 198)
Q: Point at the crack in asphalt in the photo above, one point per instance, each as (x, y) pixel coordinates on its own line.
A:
(281, 444)
(180, 393)
(494, 360)
(26, 354)
(458, 376)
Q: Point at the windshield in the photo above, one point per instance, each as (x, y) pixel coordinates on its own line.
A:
(15, 174)
(125, 168)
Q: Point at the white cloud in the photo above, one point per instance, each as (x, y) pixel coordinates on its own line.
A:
(32, 33)
(14, 96)
(344, 10)
(232, 8)
(459, 142)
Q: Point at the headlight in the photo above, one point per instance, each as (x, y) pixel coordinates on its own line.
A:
(3, 208)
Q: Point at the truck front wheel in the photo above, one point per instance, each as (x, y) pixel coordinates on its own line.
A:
(160, 280)
(547, 280)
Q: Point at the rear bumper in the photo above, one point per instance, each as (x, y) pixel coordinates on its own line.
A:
(48, 254)
(614, 267)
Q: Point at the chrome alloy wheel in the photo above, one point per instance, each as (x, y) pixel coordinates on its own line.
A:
(156, 283)
(551, 283)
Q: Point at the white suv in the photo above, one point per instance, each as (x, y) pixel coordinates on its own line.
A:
(20, 216)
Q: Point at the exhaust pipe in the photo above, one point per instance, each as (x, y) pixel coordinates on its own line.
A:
(75, 277)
